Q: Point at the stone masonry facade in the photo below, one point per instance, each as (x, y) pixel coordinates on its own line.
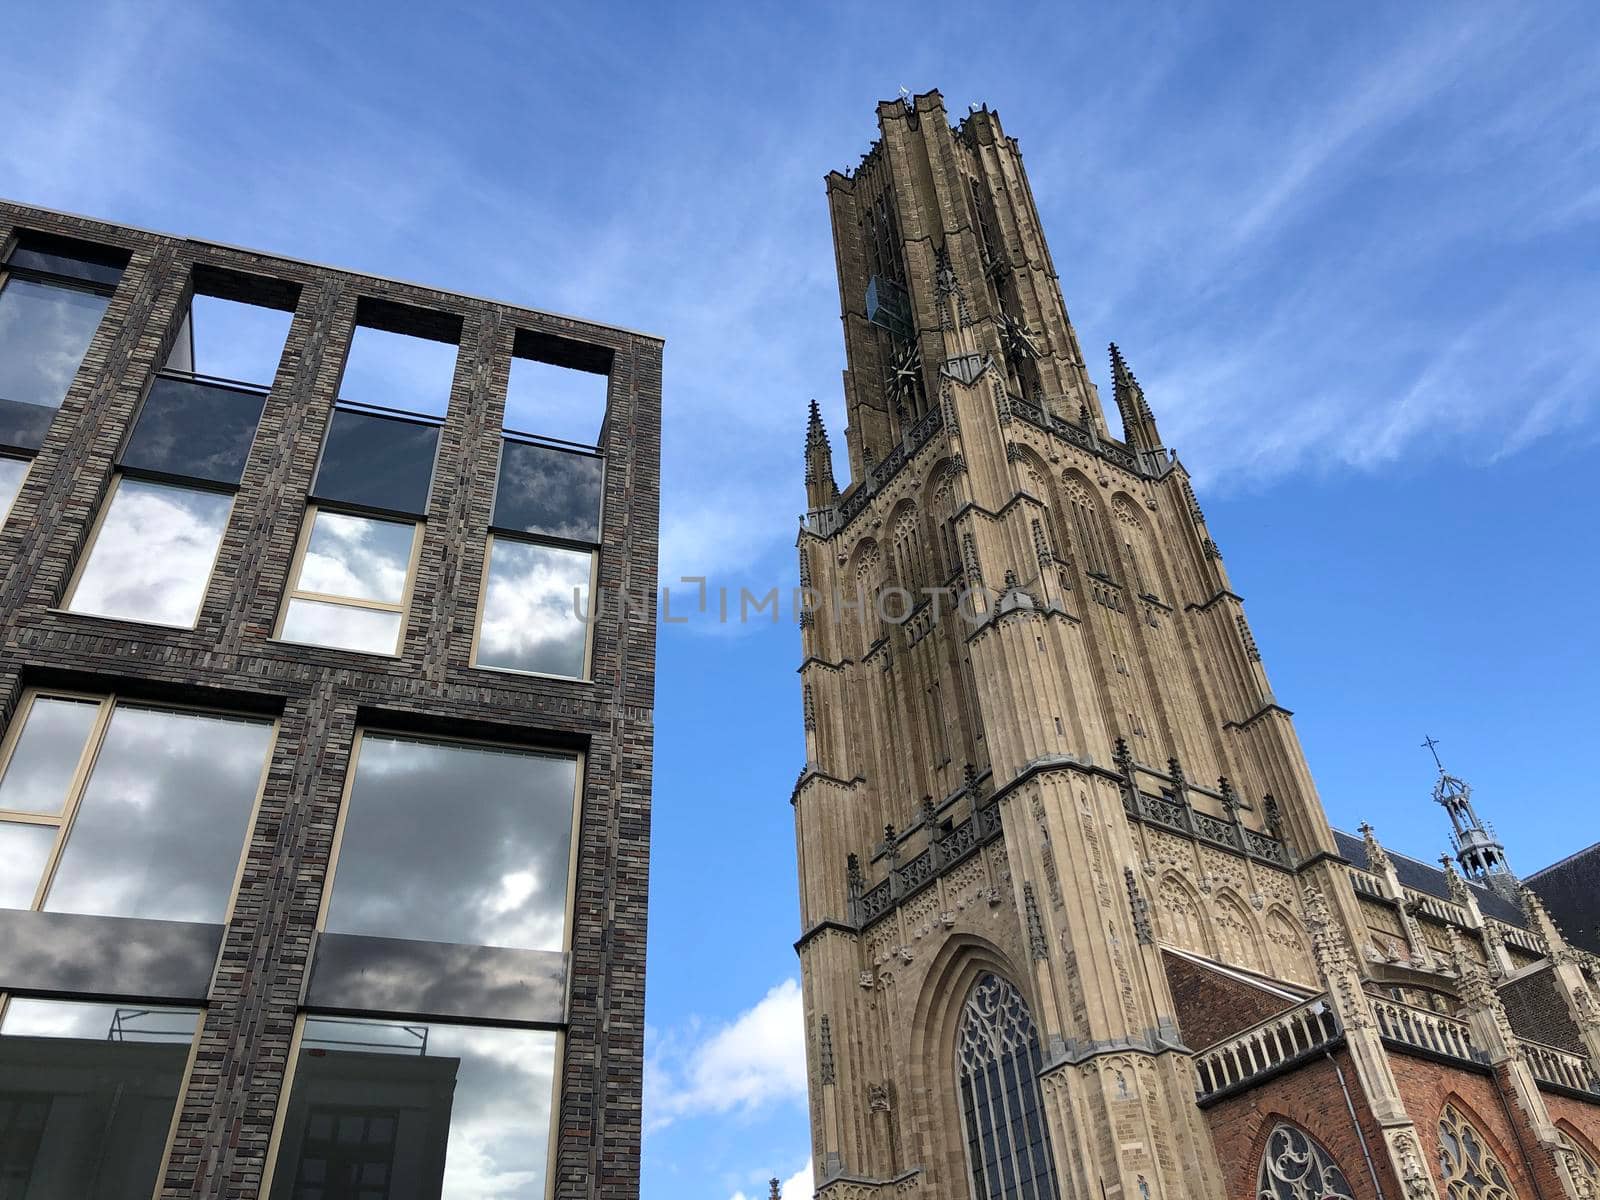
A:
(1073, 921)
(232, 1093)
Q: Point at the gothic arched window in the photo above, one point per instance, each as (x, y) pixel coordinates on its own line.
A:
(1582, 1162)
(1469, 1168)
(998, 1060)
(1294, 1167)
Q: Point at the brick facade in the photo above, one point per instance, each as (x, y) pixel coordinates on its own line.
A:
(1211, 1006)
(319, 696)
(1312, 1097)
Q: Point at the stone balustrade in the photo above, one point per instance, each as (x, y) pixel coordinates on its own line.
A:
(1246, 1056)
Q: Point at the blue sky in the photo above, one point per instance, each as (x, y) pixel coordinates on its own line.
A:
(1350, 253)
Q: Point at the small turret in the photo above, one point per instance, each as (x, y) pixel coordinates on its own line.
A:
(821, 490)
(1138, 422)
(1481, 854)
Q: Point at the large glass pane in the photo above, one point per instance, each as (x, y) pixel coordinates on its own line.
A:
(342, 626)
(358, 557)
(87, 1093)
(44, 333)
(417, 1111)
(23, 850)
(152, 558)
(446, 842)
(549, 491)
(163, 820)
(12, 472)
(195, 429)
(536, 609)
(46, 754)
(379, 462)
(74, 260)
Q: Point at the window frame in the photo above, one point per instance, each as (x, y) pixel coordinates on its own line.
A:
(292, 1069)
(83, 772)
(27, 470)
(292, 590)
(587, 675)
(93, 539)
(201, 1010)
(353, 763)
(106, 291)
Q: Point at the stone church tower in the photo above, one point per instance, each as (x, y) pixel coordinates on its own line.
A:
(1074, 921)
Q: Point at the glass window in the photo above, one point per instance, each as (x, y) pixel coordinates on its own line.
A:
(549, 491)
(397, 370)
(87, 1093)
(1470, 1169)
(1294, 1167)
(453, 842)
(195, 429)
(350, 591)
(998, 1061)
(154, 828)
(555, 401)
(377, 462)
(39, 774)
(24, 849)
(152, 557)
(535, 609)
(390, 1110)
(45, 330)
(12, 472)
(68, 259)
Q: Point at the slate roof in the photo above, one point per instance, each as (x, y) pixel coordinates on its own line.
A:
(1430, 881)
(1570, 890)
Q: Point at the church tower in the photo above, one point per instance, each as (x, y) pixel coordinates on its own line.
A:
(1048, 797)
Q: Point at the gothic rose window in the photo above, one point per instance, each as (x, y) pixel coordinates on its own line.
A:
(1469, 1168)
(998, 1060)
(1293, 1167)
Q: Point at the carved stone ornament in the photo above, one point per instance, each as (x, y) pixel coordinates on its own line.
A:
(965, 369)
(1414, 1177)
(1036, 943)
(1335, 962)
(1140, 907)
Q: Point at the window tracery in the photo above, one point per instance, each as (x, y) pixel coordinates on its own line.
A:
(1295, 1167)
(997, 1063)
(1468, 1167)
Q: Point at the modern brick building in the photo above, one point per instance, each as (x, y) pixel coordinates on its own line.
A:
(325, 780)
(1074, 920)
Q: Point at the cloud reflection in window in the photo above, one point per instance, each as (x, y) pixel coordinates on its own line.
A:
(450, 842)
(45, 330)
(163, 817)
(531, 610)
(152, 558)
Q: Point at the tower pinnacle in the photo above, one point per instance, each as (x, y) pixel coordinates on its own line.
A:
(821, 490)
(1138, 422)
(1481, 854)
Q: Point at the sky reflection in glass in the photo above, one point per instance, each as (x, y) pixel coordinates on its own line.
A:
(450, 842)
(152, 558)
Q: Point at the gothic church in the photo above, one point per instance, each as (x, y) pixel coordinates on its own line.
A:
(1075, 924)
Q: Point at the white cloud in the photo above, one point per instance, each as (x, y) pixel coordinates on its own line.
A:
(756, 1060)
(799, 1186)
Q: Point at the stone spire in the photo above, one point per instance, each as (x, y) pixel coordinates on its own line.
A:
(821, 490)
(1138, 422)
